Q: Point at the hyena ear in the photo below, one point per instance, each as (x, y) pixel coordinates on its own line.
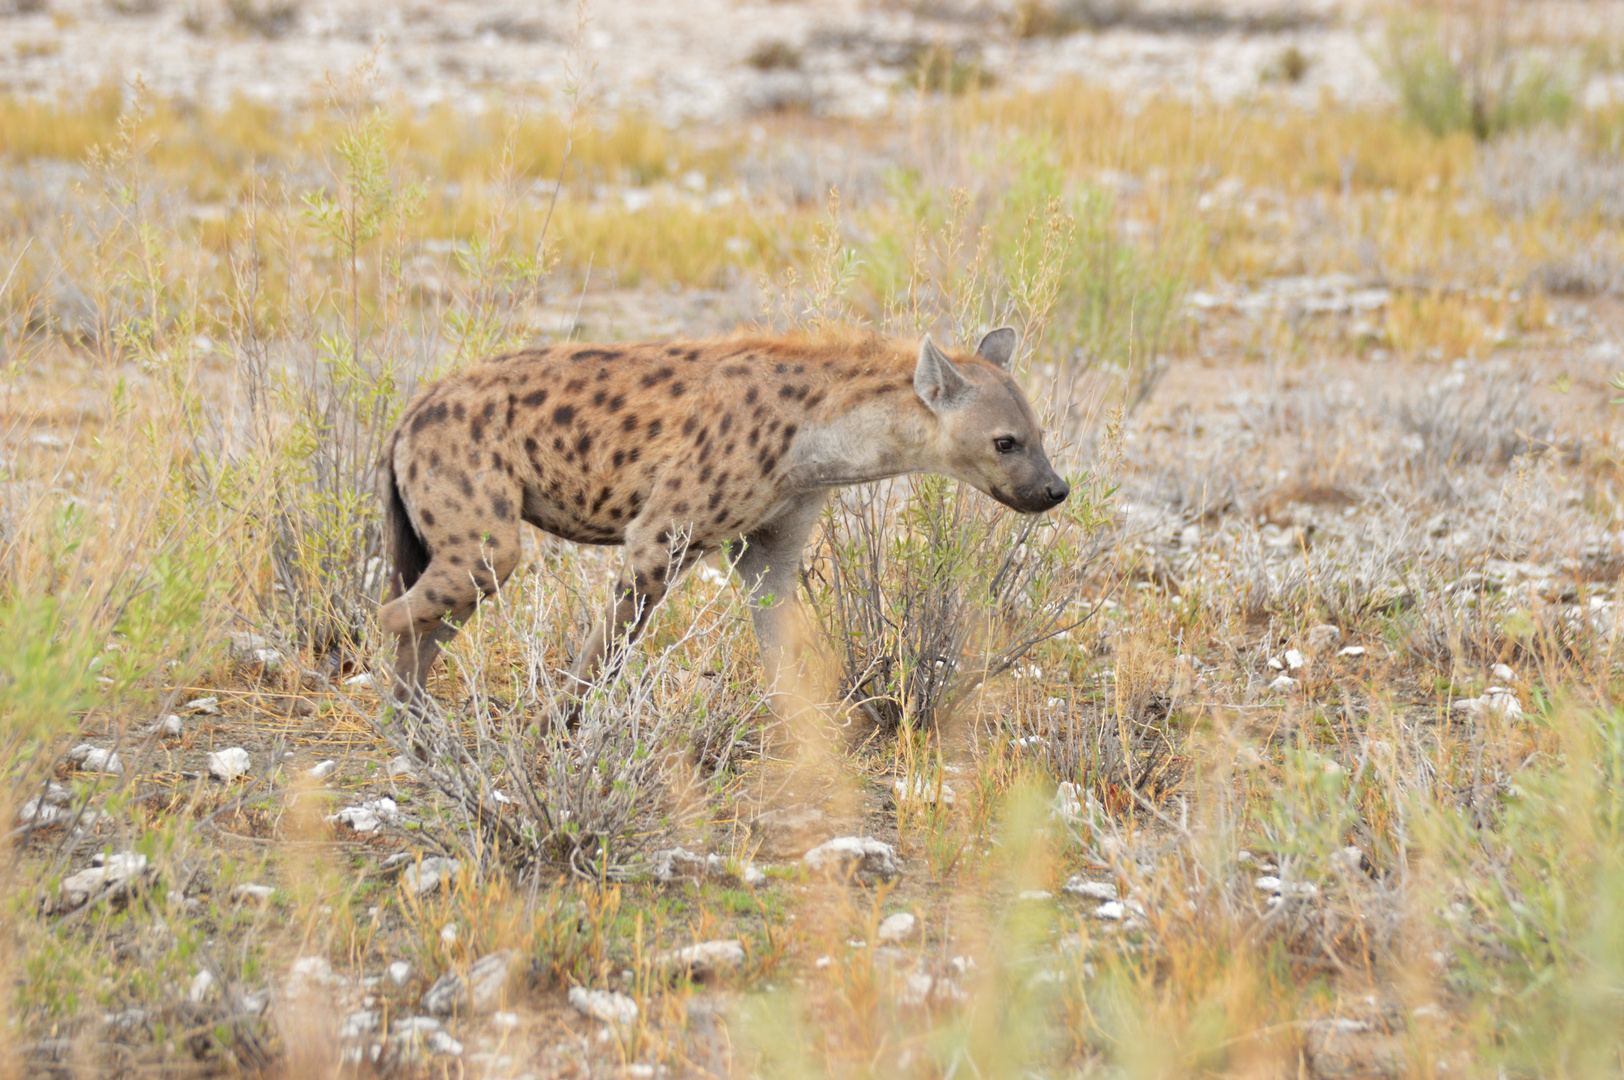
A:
(936, 381)
(998, 346)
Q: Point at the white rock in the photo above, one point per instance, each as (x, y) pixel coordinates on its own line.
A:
(1111, 909)
(1295, 659)
(202, 982)
(853, 856)
(170, 727)
(322, 770)
(480, 991)
(423, 878)
(1275, 885)
(47, 807)
(95, 759)
(1352, 651)
(923, 790)
(357, 1024)
(448, 933)
(1323, 638)
(1077, 885)
(1067, 804)
(1035, 896)
(248, 891)
(114, 875)
(1503, 702)
(312, 972)
(916, 989)
(898, 927)
(370, 816)
(504, 1021)
(209, 706)
(400, 972)
(1285, 684)
(229, 763)
(608, 1006)
(1502, 673)
(401, 766)
(703, 959)
(1276, 664)
(363, 679)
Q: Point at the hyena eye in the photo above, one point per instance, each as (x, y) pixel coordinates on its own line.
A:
(1004, 444)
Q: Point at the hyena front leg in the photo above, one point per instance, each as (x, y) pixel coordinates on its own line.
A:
(770, 567)
(653, 564)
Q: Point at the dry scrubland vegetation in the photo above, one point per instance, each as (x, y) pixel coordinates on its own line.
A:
(1339, 370)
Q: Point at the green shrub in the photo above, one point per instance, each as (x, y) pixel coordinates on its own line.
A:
(1471, 80)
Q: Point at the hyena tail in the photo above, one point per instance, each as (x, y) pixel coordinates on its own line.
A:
(408, 554)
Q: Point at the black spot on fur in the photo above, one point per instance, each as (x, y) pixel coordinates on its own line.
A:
(476, 430)
(767, 464)
(428, 518)
(727, 422)
(411, 471)
(600, 397)
(466, 485)
(688, 425)
(583, 444)
(575, 386)
(596, 354)
(629, 424)
(616, 402)
(654, 428)
(501, 508)
(633, 454)
(564, 415)
(619, 458)
(750, 396)
(658, 376)
(693, 354)
(459, 412)
(534, 399)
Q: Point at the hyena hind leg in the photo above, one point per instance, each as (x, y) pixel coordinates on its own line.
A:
(430, 613)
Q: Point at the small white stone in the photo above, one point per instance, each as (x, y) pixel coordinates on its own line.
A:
(249, 891)
(427, 876)
(1113, 909)
(505, 1021)
(401, 766)
(480, 991)
(1502, 673)
(1276, 664)
(860, 856)
(898, 927)
(1035, 896)
(370, 816)
(1323, 638)
(1285, 684)
(704, 958)
(209, 706)
(322, 770)
(170, 727)
(608, 1006)
(1295, 659)
(229, 763)
(1067, 804)
(400, 972)
(202, 982)
(1352, 651)
(363, 679)
(448, 933)
(923, 791)
(1077, 885)
(357, 1024)
(95, 759)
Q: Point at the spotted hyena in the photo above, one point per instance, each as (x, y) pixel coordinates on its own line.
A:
(672, 450)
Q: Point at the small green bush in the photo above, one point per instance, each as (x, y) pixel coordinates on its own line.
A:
(1477, 83)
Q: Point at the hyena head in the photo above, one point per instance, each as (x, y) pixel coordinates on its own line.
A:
(986, 433)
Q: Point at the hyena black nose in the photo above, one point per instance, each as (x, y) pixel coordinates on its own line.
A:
(1057, 490)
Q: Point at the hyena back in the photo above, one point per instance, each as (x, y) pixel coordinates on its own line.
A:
(672, 450)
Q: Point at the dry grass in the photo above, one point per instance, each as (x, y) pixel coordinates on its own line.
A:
(1374, 869)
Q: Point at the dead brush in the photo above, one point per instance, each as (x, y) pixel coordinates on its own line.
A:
(535, 793)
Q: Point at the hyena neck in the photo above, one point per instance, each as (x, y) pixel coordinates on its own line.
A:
(878, 438)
